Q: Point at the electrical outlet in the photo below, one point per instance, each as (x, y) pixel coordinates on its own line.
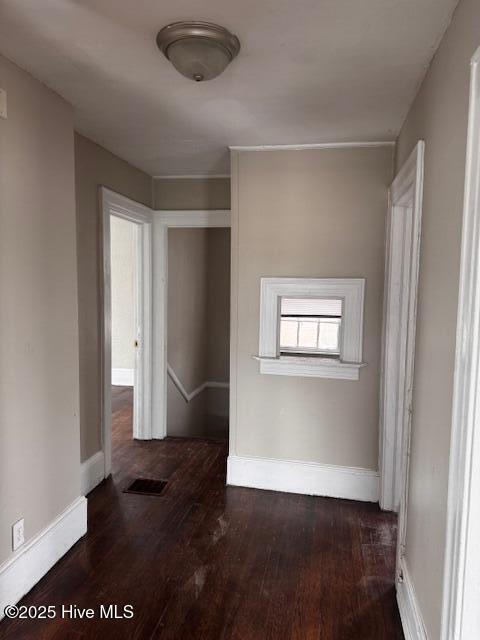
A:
(3, 103)
(18, 534)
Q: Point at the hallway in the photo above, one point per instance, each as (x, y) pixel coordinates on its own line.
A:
(205, 561)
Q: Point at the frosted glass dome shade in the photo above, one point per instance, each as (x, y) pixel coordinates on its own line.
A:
(198, 59)
(198, 50)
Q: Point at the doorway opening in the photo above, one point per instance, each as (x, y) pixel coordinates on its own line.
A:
(152, 374)
(127, 315)
(198, 332)
(124, 327)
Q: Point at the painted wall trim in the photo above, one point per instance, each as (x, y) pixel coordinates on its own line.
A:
(461, 587)
(412, 620)
(306, 367)
(92, 472)
(317, 145)
(194, 219)
(112, 203)
(124, 207)
(213, 384)
(123, 377)
(399, 325)
(194, 176)
(310, 478)
(188, 397)
(162, 221)
(350, 290)
(31, 562)
(234, 306)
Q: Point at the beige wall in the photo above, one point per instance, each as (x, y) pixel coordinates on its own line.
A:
(171, 194)
(39, 388)
(198, 327)
(218, 305)
(187, 308)
(313, 213)
(94, 167)
(439, 115)
(122, 242)
(185, 419)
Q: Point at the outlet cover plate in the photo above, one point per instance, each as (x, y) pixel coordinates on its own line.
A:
(18, 534)
(3, 103)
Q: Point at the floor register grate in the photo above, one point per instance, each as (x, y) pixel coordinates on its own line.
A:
(146, 487)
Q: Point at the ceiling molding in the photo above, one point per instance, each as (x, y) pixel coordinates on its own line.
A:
(319, 145)
(195, 176)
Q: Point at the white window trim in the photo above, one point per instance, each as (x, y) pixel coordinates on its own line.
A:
(350, 290)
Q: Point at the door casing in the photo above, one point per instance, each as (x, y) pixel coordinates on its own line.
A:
(398, 344)
(151, 300)
(114, 204)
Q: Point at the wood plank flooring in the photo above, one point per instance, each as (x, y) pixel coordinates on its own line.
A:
(209, 562)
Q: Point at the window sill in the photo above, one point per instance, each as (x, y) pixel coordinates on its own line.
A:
(309, 367)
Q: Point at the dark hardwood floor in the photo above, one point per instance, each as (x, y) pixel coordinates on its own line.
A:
(209, 562)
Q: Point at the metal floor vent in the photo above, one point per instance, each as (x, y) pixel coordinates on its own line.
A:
(146, 487)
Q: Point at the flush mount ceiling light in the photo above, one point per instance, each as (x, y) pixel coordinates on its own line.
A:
(198, 50)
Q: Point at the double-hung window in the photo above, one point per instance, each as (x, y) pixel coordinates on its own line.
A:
(311, 327)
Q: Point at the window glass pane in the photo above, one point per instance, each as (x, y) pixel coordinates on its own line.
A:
(311, 325)
(307, 335)
(329, 335)
(288, 333)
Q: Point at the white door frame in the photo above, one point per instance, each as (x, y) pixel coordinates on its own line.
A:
(399, 322)
(162, 221)
(114, 204)
(461, 589)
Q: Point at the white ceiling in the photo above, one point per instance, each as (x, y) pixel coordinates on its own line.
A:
(308, 71)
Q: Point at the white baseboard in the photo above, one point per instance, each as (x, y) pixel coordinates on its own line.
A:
(309, 478)
(92, 472)
(410, 614)
(31, 562)
(123, 377)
